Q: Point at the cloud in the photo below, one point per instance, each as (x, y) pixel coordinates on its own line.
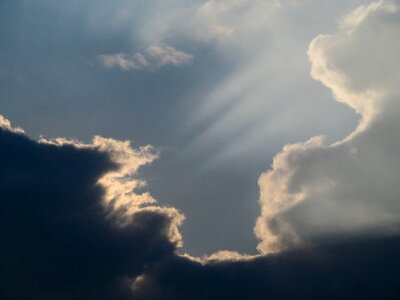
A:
(361, 269)
(72, 228)
(315, 191)
(6, 125)
(154, 58)
(59, 241)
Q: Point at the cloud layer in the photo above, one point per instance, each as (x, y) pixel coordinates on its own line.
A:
(60, 240)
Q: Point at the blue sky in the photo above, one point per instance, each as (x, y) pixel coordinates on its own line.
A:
(217, 119)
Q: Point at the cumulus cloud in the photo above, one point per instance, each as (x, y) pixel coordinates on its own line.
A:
(314, 190)
(154, 58)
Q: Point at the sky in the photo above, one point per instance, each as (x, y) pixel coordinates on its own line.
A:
(199, 149)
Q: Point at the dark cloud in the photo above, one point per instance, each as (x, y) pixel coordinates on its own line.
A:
(55, 238)
(58, 242)
(363, 269)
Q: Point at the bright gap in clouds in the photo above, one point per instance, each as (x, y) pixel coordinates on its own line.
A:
(232, 127)
(218, 86)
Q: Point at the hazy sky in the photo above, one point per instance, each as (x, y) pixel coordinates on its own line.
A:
(209, 93)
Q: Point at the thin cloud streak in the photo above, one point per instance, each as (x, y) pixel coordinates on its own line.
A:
(154, 58)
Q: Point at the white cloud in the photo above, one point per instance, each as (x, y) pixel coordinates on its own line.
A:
(315, 190)
(121, 196)
(154, 58)
(6, 124)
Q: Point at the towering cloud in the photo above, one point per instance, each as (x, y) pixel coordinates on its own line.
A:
(314, 190)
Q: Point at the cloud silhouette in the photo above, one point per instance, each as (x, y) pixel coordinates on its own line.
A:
(58, 239)
(358, 269)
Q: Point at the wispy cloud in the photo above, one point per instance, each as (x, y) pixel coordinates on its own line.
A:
(154, 58)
